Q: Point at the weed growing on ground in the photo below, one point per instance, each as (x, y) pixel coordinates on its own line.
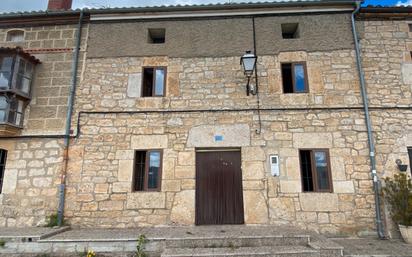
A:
(52, 221)
(2, 243)
(86, 253)
(91, 253)
(141, 241)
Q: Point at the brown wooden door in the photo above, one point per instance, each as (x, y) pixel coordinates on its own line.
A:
(219, 195)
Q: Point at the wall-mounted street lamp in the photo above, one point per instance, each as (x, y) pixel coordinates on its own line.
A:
(401, 167)
(248, 62)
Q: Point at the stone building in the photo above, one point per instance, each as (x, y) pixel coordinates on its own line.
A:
(165, 132)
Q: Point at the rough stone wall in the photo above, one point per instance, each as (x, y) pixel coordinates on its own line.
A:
(99, 191)
(386, 54)
(30, 182)
(200, 83)
(33, 165)
(99, 182)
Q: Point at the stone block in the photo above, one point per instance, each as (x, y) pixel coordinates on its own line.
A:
(290, 186)
(312, 140)
(146, 200)
(111, 205)
(101, 188)
(42, 182)
(337, 164)
(125, 154)
(183, 208)
(253, 185)
(186, 158)
(121, 187)
(319, 202)
(185, 171)
(134, 85)
(219, 136)
(253, 170)
(149, 142)
(171, 185)
(292, 168)
(253, 153)
(125, 171)
(323, 218)
(9, 181)
(407, 73)
(256, 211)
(281, 209)
(344, 187)
(306, 217)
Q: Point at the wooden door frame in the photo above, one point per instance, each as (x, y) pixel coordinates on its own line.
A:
(218, 149)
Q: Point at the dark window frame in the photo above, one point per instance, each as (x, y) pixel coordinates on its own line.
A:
(410, 27)
(314, 172)
(3, 157)
(146, 171)
(294, 79)
(164, 68)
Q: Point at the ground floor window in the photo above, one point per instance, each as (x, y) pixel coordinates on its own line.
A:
(315, 170)
(3, 156)
(147, 170)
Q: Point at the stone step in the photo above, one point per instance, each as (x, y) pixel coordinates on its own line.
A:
(241, 241)
(32, 234)
(265, 251)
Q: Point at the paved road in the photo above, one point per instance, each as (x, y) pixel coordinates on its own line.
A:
(368, 247)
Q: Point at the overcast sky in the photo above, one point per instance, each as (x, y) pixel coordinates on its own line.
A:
(35, 5)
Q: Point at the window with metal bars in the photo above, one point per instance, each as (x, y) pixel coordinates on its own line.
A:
(315, 170)
(147, 170)
(3, 157)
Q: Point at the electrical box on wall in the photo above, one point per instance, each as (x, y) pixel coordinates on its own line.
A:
(274, 165)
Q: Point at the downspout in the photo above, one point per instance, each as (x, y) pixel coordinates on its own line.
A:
(62, 186)
(259, 130)
(379, 224)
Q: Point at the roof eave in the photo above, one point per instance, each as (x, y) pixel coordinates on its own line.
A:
(161, 9)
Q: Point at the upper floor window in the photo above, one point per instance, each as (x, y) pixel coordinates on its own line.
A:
(154, 81)
(16, 74)
(157, 36)
(315, 170)
(290, 30)
(294, 78)
(147, 170)
(3, 156)
(15, 36)
(11, 110)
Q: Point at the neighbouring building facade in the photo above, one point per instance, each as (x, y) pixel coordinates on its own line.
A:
(164, 132)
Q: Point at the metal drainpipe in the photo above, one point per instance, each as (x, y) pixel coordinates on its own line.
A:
(62, 186)
(379, 224)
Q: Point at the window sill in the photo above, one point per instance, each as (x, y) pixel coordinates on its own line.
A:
(9, 129)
